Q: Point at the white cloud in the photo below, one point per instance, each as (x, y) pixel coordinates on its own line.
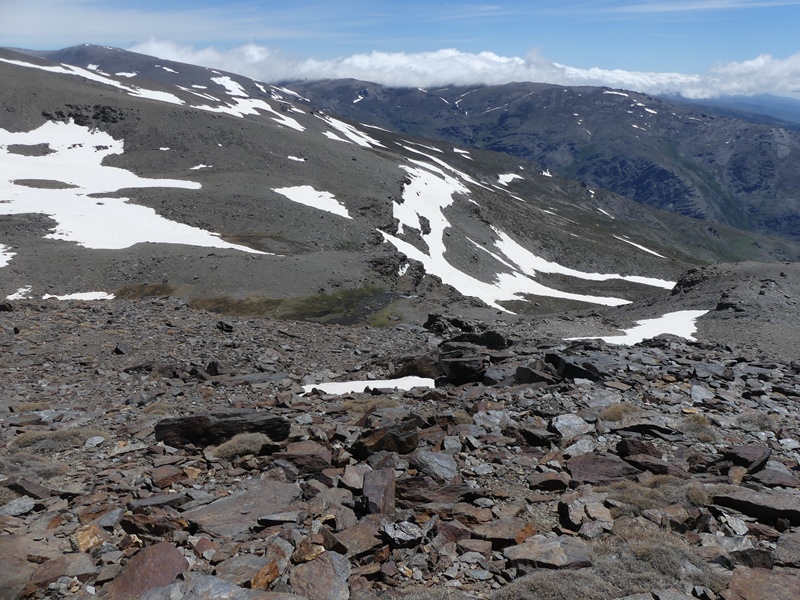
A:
(763, 74)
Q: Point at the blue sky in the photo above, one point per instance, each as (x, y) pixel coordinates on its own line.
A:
(711, 46)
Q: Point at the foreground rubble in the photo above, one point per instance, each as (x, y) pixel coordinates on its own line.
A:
(151, 451)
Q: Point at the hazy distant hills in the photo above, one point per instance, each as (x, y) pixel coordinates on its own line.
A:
(708, 162)
(130, 175)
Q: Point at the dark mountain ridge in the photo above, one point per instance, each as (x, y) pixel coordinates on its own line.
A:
(687, 159)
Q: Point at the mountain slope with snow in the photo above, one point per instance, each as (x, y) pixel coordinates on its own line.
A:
(244, 197)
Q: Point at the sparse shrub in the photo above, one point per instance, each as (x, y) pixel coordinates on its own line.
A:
(431, 594)
(616, 412)
(240, 445)
(52, 442)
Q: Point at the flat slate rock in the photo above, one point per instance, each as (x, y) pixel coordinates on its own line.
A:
(235, 515)
(152, 567)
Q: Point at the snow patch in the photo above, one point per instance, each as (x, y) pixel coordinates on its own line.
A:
(507, 178)
(81, 296)
(21, 294)
(308, 196)
(77, 160)
(5, 255)
(681, 323)
(349, 387)
(296, 158)
(621, 239)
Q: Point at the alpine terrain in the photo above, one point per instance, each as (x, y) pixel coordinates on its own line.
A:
(324, 341)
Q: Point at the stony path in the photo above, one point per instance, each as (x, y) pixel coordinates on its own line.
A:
(152, 451)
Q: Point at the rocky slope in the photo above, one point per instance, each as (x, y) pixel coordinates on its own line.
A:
(148, 450)
(690, 160)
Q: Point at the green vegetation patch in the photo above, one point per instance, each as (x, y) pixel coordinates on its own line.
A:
(344, 307)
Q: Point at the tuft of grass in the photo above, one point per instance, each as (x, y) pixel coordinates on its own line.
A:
(699, 427)
(758, 421)
(657, 492)
(635, 560)
(6, 496)
(52, 442)
(31, 466)
(344, 307)
(616, 412)
(157, 408)
(545, 584)
(240, 445)
(32, 406)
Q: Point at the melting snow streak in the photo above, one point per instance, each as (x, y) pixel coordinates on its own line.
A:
(307, 195)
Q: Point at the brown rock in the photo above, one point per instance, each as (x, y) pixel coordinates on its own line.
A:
(394, 438)
(379, 491)
(360, 539)
(79, 565)
(166, 475)
(235, 515)
(558, 553)
(503, 532)
(265, 576)
(213, 429)
(599, 469)
(152, 567)
(324, 578)
(760, 584)
(88, 537)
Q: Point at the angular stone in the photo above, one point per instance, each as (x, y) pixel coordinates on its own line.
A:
(379, 491)
(402, 439)
(152, 567)
(242, 568)
(599, 469)
(753, 457)
(360, 539)
(166, 475)
(353, 476)
(440, 466)
(629, 446)
(549, 482)
(646, 462)
(504, 532)
(759, 584)
(208, 587)
(15, 551)
(78, 565)
(570, 426)
(324, 578)
(235, 515)
(307, 456)
(787, 552)
(539, 551)
(88, 537)
(766, 506)
(215, 428)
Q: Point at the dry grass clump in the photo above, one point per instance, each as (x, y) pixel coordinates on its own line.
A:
(32, 407)
(699, 427)
(616, 412)
(636, 560)
(240, 445)
(6, 496)
(657, 492)
(545, 584)
(32, 467)
(157, 408)
(52, 442)
(754, 420)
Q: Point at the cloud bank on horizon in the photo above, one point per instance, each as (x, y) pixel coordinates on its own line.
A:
(762, 74)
